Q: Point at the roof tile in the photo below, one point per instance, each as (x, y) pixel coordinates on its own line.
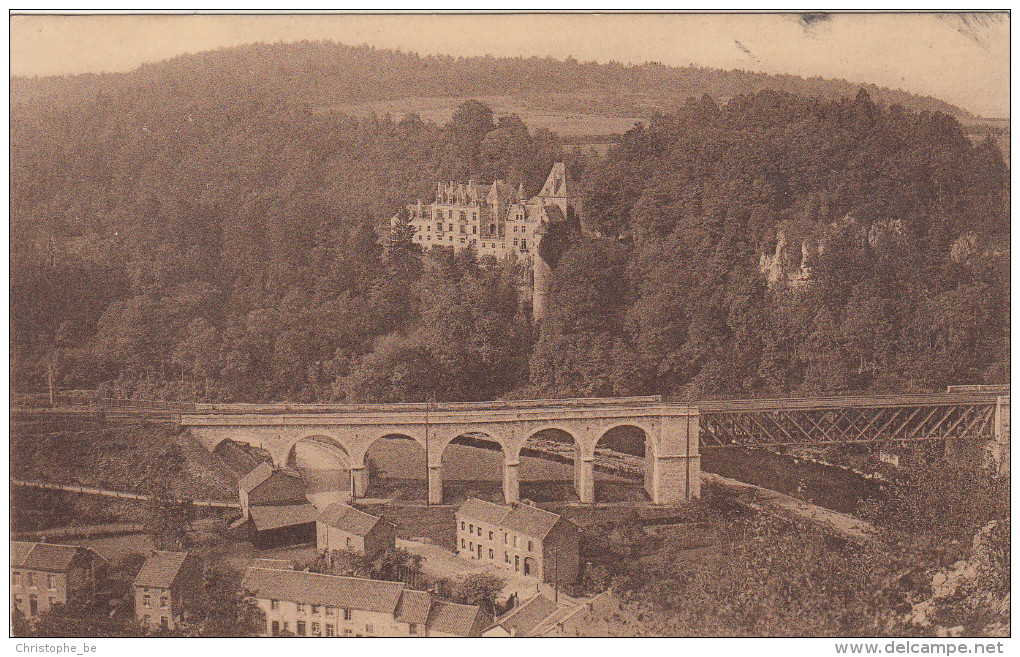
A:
(249, 481)
(530, 520)
(484, 511)
(161, 569)
(348, 519)
(452, 618)
(414, 607)
(274, 517)
(525, 618)
(333, 590)
(50, 556)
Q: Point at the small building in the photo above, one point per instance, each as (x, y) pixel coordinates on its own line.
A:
(311, 604)
(274, 509)
(164, 585)
(47, 574)
(342, 527)
(527, 619)
(519, 538)
(266, 486)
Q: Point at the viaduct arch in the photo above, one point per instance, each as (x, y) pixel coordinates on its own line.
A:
(672, 460)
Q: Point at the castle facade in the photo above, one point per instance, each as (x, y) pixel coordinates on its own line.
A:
(495, 219)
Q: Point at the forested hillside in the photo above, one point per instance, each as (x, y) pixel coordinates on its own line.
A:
(783, 244)
(325, 74)
(196, 229)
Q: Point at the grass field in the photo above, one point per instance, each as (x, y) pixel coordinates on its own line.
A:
(535, 114)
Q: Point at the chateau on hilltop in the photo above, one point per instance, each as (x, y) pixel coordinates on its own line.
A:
(496, 220)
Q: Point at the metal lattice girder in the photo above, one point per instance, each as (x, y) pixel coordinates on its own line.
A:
(844, 420)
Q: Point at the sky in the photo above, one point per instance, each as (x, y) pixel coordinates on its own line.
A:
(960, 58)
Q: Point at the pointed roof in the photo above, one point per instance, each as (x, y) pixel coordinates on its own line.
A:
(558, 184)
(414, 607)
(51, 557)
(523, 620)
(161, 569)
(261, 472)
(348, 519)
(19, 551)
(485, 511)
(530, 520)
(453, 618)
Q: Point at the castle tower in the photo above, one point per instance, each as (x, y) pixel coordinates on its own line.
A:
(541, 272)
(559, 190)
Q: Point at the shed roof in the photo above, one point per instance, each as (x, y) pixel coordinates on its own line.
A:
(414, 607)
(530, 520)
(313, 588)
(274, 517)
(52, 557)
(523, 620)
(161, 569)
(348, 519)
(452, 618)
(485, 511)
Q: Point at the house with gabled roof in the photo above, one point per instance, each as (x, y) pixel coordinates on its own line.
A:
(310, 604)
(342, 527)
(519, 538)
(47, 574)
(164, 585)
(274, 509)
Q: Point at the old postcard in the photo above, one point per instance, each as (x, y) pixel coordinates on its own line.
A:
(511, 325)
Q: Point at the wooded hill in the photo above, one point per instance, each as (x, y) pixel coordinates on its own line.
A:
(196, 229)
(323, 74)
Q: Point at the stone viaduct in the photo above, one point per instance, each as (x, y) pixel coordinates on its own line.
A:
(672, 461)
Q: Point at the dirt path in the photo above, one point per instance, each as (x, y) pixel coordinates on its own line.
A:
(779, 504)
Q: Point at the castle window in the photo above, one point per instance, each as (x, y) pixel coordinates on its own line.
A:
(524, 245)
(474, 230)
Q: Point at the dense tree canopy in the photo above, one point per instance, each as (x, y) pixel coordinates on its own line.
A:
(202, 236)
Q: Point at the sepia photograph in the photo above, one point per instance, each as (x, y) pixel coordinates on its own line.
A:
(505, 325)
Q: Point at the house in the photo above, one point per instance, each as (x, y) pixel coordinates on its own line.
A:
(164, 585)
(525, 620)
(274, 509)
(311, 604)
(266, 486)
(519, 538)
(342, 527)
(46, 574)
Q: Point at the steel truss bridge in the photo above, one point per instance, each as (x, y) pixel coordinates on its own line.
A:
(967, 415)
